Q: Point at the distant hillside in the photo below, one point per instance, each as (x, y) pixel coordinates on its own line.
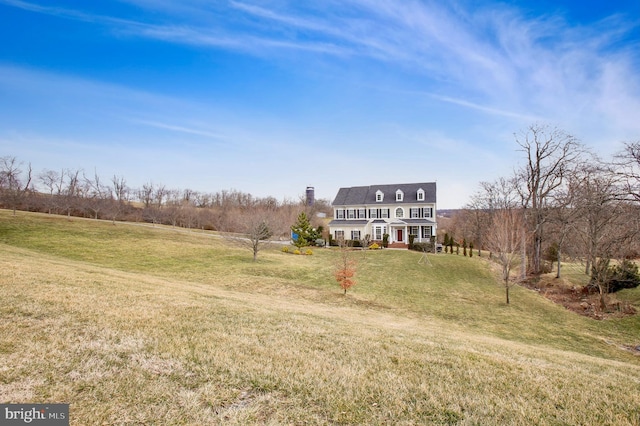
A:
(447, 212)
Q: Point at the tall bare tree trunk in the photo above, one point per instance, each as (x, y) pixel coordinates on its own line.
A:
(523, 254)
(559, 263)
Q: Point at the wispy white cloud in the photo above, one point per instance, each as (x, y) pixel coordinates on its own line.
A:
(180, 129)
(488, 109)
(73, 14)
(509, 62)
(238, 42)
(506, 61)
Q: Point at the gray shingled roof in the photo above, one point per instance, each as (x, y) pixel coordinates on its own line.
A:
(361, 195)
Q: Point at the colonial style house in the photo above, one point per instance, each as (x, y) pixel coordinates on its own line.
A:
(398, 210)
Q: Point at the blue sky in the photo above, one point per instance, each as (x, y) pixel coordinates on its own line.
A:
(269, 97)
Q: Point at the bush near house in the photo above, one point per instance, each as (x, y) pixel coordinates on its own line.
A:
(348, 243)
(422, 247)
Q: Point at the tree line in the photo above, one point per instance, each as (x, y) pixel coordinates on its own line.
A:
(563, 202)
(73, 192)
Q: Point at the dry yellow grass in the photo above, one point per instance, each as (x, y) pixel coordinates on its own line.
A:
(127, 346)
(130, 348)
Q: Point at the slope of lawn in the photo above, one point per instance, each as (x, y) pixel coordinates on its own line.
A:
(139, 325)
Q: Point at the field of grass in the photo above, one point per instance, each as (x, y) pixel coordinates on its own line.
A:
(153, 325)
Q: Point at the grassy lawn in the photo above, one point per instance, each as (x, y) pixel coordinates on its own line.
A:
(153, 325)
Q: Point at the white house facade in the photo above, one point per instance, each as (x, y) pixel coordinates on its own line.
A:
(398, 210)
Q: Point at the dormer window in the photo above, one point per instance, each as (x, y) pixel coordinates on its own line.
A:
(379, 196)
(399, 195)
(420, 194)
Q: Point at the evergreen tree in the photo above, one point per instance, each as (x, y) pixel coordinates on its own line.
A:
(305, 232)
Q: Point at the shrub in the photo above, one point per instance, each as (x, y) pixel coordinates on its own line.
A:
(385, 240)
(296, 251)
(308, 252)
(285, 249)
(300, 242)
(421, 247)
(374, 246)
(624, 275)
(614, 278)
(546, 267)
(551, 253)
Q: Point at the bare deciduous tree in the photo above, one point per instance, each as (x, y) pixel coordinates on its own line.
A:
(505, 241)
(69, 190)
(599, 208)
(145, 195)
(253, 228)
(50, 179)
(491, 198)
(628, 164)
(153, 202)
(96, 194)
(120, 193)
(479, 218)
(549, 153)
(13, 187)
(566, 211)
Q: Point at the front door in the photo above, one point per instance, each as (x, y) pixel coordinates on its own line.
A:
(399, 239)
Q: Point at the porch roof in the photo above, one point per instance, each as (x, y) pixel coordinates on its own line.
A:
(419, 221)
(414, 222)
(342, 222)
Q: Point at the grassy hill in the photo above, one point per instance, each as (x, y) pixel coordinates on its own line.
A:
(140, 325)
